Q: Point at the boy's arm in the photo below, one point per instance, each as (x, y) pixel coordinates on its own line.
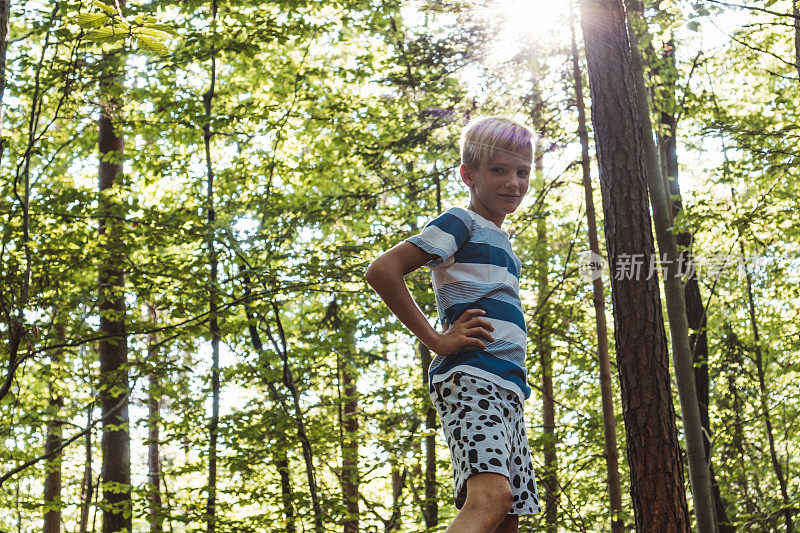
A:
(387, 276)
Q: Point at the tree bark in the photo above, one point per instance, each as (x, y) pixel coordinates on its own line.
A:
(598, 296)
(657, 492)
(430, 506)
(282, 464)
(676, 304)
(5, 18)
(398, 481)
(153, 425)
(796, 14)
(542, 341)
(113, 348)
(52, 467)
(349, 424)
(87, 487)
(213, 326)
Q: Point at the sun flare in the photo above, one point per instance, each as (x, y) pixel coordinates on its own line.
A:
(522, 21)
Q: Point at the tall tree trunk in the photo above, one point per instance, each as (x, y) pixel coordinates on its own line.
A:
(52, 466)
(113, 348)
(348, 402)
(87, 487)
(213, 326)
(281, 455)
(398, 480)
(738, 440)
(657, 492)
(796, 14)
(430, 506)
(695, 309)
(606, 392)
(542, 341)
(5, 17)
(282, 464)
(674, 293)
(763, 397)
(153, 424)
(289, 382)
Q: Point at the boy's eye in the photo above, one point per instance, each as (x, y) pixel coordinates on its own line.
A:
(496, 169)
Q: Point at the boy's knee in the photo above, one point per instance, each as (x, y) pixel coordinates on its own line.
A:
(493, 498)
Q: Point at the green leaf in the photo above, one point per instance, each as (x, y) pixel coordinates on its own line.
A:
(105, 7)
(104, 34)
(91, 20)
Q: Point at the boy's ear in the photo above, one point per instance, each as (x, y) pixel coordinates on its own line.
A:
(466, 174)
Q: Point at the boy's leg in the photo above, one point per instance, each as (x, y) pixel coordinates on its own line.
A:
(488, 502)
(509, 525)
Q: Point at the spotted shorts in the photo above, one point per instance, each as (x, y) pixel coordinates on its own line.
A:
(485, 431)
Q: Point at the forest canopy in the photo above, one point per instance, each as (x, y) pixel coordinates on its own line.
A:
(191, 192)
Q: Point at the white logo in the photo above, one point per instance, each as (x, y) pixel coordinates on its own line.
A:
(592, 266)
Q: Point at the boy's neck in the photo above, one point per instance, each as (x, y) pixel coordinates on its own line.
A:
(477, 210)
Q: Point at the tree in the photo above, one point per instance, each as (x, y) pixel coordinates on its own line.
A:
(5, 16)
(113, 345)
(659, 500)
(676, 304)
(609, 422)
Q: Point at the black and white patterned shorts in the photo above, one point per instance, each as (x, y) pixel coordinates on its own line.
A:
(485, 430)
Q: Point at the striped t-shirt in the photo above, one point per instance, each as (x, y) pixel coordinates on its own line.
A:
(477, 269)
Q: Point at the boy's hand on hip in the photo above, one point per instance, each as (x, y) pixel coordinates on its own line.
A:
(468, 330)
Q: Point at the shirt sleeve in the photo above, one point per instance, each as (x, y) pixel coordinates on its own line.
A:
(444, 235)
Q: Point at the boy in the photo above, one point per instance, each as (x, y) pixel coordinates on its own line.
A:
(478, 378)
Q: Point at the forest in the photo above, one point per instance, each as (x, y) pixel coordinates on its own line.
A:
(191, 192)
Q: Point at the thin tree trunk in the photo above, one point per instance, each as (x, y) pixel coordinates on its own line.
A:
(763, 397)
(282, 464)
(113, 348)
(52, 467)
(738, 443)
(796, 13)
(695, 310)
(430, 507)
(543, 344)
(167, 504)
(153, 424)
(398, 481)
(676, 304)
(349, 436)
(5, 17)
(606, 391)
(213, 326)
(282, 461)
(657, 492)
(416, 474)
(289, 383)
(87, 488)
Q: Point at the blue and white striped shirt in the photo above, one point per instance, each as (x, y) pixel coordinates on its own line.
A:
(477, 269)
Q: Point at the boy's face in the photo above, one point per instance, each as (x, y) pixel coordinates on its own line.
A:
(497, 188)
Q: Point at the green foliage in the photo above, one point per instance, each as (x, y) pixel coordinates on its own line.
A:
(334, 130)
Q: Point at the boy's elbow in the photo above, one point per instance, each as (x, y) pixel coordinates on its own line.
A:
(372, 273)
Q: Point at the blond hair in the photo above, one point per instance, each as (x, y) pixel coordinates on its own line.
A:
(482, 137)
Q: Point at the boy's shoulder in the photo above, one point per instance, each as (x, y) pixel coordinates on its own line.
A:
(457, 212)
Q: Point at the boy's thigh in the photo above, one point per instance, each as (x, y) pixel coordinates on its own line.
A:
(471, 412)
(485, 434)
